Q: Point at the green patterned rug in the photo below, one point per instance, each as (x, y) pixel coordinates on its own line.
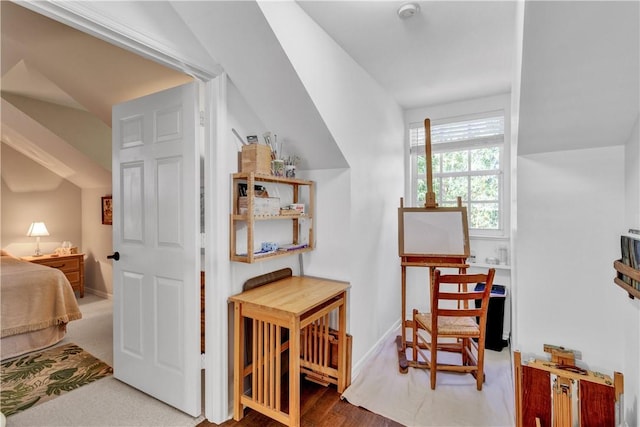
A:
(37, 377)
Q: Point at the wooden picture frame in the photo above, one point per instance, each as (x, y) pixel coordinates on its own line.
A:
(107, 210)
(433, 232)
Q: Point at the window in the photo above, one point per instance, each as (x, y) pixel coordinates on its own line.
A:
(468, 161)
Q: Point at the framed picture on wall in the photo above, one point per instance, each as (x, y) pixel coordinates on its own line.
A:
(107, 210)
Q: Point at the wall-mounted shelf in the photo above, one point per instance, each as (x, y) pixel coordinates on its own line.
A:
(630, 272)
(248, 218)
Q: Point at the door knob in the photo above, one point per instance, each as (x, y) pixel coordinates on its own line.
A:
(115, 256)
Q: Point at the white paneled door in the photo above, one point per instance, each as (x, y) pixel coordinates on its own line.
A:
(156, 228)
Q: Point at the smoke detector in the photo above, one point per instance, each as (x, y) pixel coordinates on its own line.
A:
(408, 10)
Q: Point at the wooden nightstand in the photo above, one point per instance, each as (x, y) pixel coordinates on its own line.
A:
(71, 265)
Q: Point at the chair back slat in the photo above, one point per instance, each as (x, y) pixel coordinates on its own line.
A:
(463, 296)
(462, 278)
(460, 312)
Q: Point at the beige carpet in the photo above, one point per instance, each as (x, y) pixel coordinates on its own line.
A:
(409, 400)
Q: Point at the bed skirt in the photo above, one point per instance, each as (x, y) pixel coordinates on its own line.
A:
(15, 345)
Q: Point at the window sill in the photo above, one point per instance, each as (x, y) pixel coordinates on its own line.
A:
(485, 265)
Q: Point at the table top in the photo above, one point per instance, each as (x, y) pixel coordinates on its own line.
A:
(294, 295)
(48, 257)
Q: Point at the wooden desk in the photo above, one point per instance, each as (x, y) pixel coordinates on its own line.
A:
(301, 305)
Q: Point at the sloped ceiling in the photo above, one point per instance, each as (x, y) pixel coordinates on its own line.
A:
(45, 59)
(260, 69)
(580, 75)
(58, 88)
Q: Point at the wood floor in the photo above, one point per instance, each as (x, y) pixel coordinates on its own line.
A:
(321, 407)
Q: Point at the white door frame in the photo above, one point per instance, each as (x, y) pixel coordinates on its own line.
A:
(84, 17)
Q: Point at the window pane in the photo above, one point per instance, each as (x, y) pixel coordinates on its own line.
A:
(421, 190)
(448, 204)
(484, 187)
(454, 187)
(455, 161)
(484, 215)
(436, 187)
(422, 166)
(435, 162)
(483, 159)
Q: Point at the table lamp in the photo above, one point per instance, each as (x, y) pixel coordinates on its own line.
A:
(36, 230)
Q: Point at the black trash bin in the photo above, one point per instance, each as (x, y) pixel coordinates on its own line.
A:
(495, 316)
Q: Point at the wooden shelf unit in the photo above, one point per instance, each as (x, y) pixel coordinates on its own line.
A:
(251, 179)
(630, 272)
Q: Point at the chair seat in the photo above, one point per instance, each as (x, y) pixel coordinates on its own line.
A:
(459, 326)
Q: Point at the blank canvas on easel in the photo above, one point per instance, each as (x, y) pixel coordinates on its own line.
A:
(440, 232)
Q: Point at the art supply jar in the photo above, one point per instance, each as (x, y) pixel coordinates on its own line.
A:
(290, 171)
(503, 255)
(277, 167)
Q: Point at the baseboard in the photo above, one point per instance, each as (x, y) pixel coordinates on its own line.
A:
(355, 368)
(98, 293)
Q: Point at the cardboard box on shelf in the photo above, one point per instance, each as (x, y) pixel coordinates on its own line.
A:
(256, 158)
(262, 206)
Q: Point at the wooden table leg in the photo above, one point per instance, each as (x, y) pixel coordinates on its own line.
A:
(342, 345)
(238, 359)
(294, 374)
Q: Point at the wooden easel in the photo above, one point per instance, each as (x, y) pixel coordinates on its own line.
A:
(558, 393)
(431, 261)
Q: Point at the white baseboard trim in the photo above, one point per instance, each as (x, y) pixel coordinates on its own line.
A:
(98, 293)
(357, 367)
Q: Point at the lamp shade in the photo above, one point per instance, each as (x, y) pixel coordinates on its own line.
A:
(37, 229)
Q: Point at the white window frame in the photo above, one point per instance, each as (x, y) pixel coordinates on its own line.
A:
(500, 141)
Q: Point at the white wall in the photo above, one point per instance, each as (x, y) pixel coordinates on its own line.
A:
(30, 193)
(97, 243)
(571, 210)
(632, 178)
(630, 309)
(366, 123)
(331, 256)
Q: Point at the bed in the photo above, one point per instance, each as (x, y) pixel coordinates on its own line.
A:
(37, 303)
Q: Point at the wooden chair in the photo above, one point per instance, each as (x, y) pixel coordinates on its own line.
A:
(461, 327)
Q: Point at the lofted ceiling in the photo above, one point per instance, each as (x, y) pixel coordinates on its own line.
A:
(579, 89)
(411, 58)
(47, 60)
